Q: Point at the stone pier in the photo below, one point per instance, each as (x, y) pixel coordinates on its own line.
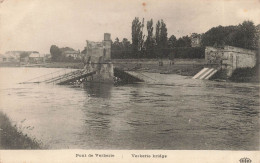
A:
(98, 58)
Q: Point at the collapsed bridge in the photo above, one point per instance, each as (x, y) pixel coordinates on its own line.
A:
(72, 77)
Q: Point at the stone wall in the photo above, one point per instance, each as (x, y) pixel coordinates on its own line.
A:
(243, 57)
(230, 58)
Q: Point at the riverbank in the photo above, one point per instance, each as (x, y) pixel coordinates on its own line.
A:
(73, 65)
(184, 67)
(11, 138)
(9, 64)
(246, 75)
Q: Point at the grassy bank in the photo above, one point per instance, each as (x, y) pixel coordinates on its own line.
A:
(185, 67)
(11, 138)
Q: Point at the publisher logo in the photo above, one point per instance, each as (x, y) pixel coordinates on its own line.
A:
(245, 160)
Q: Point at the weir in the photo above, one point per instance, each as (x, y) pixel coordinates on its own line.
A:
(205, 73)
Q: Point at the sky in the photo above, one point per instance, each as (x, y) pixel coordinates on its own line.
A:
(35, 25)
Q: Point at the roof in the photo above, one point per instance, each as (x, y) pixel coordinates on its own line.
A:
(9, 56)
(36, 55)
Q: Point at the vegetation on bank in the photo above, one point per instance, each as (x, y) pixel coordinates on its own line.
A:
(12, 138)
(242, 74)
(58, 54)
(170, 53)
(151, 40)
(185, 67)
(158, 45)
(246, 75)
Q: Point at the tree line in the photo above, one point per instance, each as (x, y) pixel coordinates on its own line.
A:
(149, 40)
(244, 35)
(156, 43)
(149, 46)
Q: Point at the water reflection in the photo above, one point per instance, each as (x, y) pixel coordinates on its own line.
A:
(98, 90)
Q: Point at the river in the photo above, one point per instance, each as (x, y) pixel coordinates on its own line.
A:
(173, 112)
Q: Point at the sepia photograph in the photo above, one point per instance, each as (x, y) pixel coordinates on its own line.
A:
(130, 75)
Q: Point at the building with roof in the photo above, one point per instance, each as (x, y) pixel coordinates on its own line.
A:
(10, 58)
(3, 58)
(195, 40)
(72, 54)
(23, 57)
(36, 57)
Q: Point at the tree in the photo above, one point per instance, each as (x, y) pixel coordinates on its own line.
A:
(24, 54)
(55, 53)
(150, 42)
(184, 41)
(158, 33)
(172, 41)
(243, 35)
(141, 37)
(137, 34)
(163, 35)
(257, 37)
(217, 36)
(126, 44)
(116, 45)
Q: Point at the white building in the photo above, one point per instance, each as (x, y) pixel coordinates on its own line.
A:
(36, 57)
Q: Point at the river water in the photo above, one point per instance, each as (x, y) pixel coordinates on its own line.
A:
(172, 112)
